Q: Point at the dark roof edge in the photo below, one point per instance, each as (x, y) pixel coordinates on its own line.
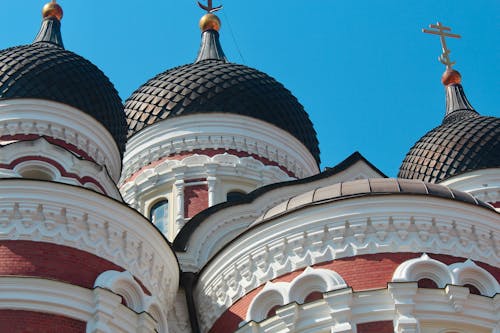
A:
(182, 238)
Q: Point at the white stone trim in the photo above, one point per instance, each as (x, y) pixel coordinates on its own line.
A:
(82, 219)
(100, 308)
(225, 225)
(458, 274)
(169, 175)
(280, 293)
(345, 228)
(124, 284)
(70, 163)
(483, 184)
(403, 303)
(423, 268)
(214, 131)
(63, 122)
(469, 273)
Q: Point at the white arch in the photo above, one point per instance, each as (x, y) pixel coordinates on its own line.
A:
(469, 273)
(311, 280)
(123, 284)
(423, 268)
(273, 294)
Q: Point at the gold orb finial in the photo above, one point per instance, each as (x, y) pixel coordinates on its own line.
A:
(451, 76)
(210, 22)
(52, 9)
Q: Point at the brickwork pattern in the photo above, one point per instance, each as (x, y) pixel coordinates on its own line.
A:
(14, 321)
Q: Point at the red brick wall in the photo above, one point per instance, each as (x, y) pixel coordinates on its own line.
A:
(376, 327)
(372, 271)
(62, 263)
(195, 199)
(13, 321)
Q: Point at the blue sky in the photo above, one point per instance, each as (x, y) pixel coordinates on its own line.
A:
(364, 71)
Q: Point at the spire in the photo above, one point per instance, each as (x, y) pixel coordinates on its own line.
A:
(210, 48)
(50, 31)
(457, 104)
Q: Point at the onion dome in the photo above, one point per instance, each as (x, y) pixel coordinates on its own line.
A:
(45, 70)
(465, 141)
(212, 84)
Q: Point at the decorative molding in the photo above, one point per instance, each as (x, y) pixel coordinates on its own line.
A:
(229, 131)
(280, 293)
(63, 166)
(223, 226)
(457, 274)
(345, 228)
(60, 121)
(483, 184)
(404, 303)
(170, 174)
(82, 219)
(124, 284)
(100, 308)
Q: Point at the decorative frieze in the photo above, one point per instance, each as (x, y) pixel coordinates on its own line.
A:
(85, 220)
(345, 228)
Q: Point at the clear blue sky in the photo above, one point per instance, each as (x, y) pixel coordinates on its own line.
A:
(366, 74)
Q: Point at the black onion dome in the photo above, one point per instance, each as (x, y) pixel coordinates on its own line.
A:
(212, 84)
(465, 141)
(45, 70)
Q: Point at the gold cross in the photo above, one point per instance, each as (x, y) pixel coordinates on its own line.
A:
(209, 8)
(442, 32)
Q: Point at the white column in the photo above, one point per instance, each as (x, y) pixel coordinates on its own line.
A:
(211, 181)
(106, 303)
(403, 294)
(339, 303)
(179, 199)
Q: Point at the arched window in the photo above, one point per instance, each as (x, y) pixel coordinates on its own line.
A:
(159, 215)
(233, 196)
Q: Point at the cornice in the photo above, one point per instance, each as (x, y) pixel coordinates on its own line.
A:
(63, 122)
(83, 219)
(357, 226)
(230, 132)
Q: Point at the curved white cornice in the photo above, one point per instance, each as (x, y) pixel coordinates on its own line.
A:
(216, 131)
(483, 184)
(408, 307)
(76, 171)
(98, 307)
(63, 122)
(345, 228)
(195, 166)
(82, 219)
(226, 224)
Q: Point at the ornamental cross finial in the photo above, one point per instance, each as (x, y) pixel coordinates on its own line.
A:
(210, 8)
(442, 32)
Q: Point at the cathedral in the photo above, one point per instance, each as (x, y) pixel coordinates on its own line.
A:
(199, 206)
